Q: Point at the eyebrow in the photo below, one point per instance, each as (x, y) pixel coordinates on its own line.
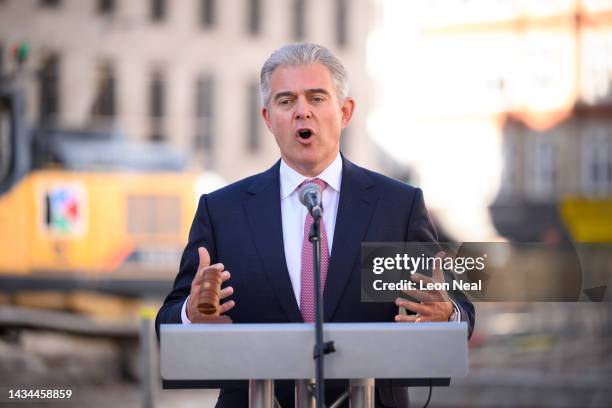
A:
(317, 90)
(279, 95)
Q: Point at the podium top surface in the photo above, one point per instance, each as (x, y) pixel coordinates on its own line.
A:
(284, 351)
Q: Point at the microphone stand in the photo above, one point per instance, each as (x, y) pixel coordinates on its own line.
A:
(320, 348)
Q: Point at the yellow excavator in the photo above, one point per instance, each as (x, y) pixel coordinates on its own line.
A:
(81, 210)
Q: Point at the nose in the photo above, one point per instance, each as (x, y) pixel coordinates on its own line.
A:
(302, 109)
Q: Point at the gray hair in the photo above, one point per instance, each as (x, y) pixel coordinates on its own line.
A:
(303, 54)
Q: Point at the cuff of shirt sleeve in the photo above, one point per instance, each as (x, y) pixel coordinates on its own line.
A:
(456, 315)
(184, 317)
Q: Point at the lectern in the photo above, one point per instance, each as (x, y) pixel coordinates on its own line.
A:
(211, 355)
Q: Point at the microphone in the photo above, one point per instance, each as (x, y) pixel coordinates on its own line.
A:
(310, 196)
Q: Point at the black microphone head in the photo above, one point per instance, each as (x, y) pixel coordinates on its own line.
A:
(309, 189)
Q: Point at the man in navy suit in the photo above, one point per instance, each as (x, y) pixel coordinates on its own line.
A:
(253, 230)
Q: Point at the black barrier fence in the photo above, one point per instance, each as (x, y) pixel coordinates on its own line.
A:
(486, 271)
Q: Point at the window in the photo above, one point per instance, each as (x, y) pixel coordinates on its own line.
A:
(597, 160)
(6, 140)
(158, 10)
(299, 22)
(541, 167)
(204, 118)
(50, 3)
(207, 13)
(157, 106)
(153, 215)
(253, 121)
(106, 6)
(341, 23)
(254, 17)
(509, 176)
(104, 102)
(48, 90)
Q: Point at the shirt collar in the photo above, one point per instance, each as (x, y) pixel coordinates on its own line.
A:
(291, 179)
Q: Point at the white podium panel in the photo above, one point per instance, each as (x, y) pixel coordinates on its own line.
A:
(284, 351)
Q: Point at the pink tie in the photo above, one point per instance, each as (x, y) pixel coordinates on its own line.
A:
(307, 301)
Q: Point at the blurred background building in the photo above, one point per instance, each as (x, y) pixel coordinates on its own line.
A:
(501, 106)
(185, 73)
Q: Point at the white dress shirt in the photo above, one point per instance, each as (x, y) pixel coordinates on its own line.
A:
(293, 215)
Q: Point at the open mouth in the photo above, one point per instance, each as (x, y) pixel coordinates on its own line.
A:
(304, 133)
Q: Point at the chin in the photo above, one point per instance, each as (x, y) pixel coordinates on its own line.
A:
(304, 162)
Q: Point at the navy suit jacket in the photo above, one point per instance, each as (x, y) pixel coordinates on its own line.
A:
(240, 225)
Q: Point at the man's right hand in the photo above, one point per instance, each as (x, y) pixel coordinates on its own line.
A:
(194, 297)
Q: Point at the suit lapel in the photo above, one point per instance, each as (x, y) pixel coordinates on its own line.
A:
(355, 209)
(264, 214)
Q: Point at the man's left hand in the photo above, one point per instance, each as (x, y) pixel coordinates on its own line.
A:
(434, 305)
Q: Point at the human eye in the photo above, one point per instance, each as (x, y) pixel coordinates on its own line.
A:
(317, 99)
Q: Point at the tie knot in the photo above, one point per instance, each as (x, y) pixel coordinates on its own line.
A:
(316, 181)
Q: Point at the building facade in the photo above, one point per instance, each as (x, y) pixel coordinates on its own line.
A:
(184, 72)
(510, 114)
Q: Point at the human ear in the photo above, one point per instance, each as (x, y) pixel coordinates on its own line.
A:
(347, 109)
(265, 114)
